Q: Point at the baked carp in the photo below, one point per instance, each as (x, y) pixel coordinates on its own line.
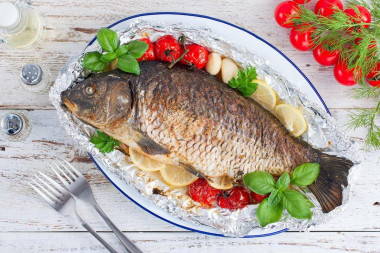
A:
(190, 118)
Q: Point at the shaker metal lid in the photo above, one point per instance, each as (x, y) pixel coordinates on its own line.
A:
(31, 74)
(11, 124)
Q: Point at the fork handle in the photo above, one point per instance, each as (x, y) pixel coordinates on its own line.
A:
(130, 246)
(97, 236)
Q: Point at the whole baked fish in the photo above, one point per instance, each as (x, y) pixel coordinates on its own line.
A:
(190, 118)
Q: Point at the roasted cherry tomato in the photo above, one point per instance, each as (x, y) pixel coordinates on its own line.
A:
(363, 17)
(196, 56)
(324, 56)
(373, 77)
(283, 13)
(327, 7)
(343, 75)
(204, 193)
(237, 198)
(257, 198)
(301, 39)
(301, 1)
(149, 54)
(167, 48)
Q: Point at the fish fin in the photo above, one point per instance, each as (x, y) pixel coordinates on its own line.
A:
(148, 145)
(193, 171)
(328, 187)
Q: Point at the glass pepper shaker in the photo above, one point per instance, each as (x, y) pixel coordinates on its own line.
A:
(20, 25)
(35, 78)
(15, 126)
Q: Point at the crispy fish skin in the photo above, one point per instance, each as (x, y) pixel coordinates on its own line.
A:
(188, 117)
(211, 127)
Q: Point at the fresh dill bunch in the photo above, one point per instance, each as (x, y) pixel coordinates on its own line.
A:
(356, 44)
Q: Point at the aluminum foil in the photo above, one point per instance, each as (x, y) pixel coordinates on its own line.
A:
(323, 133)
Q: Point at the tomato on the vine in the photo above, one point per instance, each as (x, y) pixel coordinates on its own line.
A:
(301, 39)
(324, 56)
(362, 17)
(373, 77)
(149, 54)
(204, 193)
(344, 75)
(301, 1)
(327, 7)
(167, 48)
(237, 198)
(196, 56)
(284, 12)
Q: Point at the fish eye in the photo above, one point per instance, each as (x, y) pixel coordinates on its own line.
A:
(90, 90)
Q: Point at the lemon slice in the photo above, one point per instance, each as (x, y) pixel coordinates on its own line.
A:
(143, 162)
(292, 119)
(222, 183)
(264, 95)
(176, 175)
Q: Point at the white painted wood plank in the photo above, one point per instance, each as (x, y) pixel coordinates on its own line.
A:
(22, 210)
(192, 242)
(71, 24)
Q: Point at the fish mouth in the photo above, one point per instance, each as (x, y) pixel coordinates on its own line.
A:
(68, 104)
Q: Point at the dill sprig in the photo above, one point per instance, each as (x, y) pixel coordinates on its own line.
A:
(357, 45)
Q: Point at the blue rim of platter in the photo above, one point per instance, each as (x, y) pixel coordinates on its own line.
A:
(242, 29)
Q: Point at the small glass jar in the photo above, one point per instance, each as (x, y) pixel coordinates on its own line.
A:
(35, 78)
(15, 126)
(20, 25)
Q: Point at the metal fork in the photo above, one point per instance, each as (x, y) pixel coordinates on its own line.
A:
(62, 201)
(80, 188)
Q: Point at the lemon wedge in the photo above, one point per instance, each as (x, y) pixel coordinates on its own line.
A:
(143, 162)
(292, 119)
(264, 95)
(177, 175)
(222, 183)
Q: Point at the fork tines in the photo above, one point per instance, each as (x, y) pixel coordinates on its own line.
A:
(53, 193)
(70, 174)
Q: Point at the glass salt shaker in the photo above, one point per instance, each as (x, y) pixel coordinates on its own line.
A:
(20, 25)
(15, 126)
(35, 78)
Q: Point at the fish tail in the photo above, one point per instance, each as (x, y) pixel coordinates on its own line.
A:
(328, 187)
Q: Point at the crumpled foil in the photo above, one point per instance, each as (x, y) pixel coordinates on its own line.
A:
(323, 134)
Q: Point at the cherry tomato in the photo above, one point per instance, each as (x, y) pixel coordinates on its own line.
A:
(373, 77)
(197, 56)
(301, 1)
(165, 46)
(257, 198)
(204, 193)
(325, 56)
(363, 17)
(327, 7)
(343, 75)
(300, 39)
(284, 12)
(237, 198)
(149, 54)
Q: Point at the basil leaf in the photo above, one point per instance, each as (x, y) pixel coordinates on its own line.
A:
(296, 205)
(305, 174)
(275, 197)
(107, 39)
(92, 61)
(107, 148)
(269, 214)
(260, 182)
(137, 48)
(283, 182)
(128, 63)
(122, 50)
(108, 57)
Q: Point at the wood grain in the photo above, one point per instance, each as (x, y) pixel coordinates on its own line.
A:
(27, 224)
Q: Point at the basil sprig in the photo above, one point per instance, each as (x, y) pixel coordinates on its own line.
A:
(103, 142)
(126, 55)
(297, 204)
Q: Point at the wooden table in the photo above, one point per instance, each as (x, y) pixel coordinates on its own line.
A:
(27, 224)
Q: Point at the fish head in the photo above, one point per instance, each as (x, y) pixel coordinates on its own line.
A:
(101, 100)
